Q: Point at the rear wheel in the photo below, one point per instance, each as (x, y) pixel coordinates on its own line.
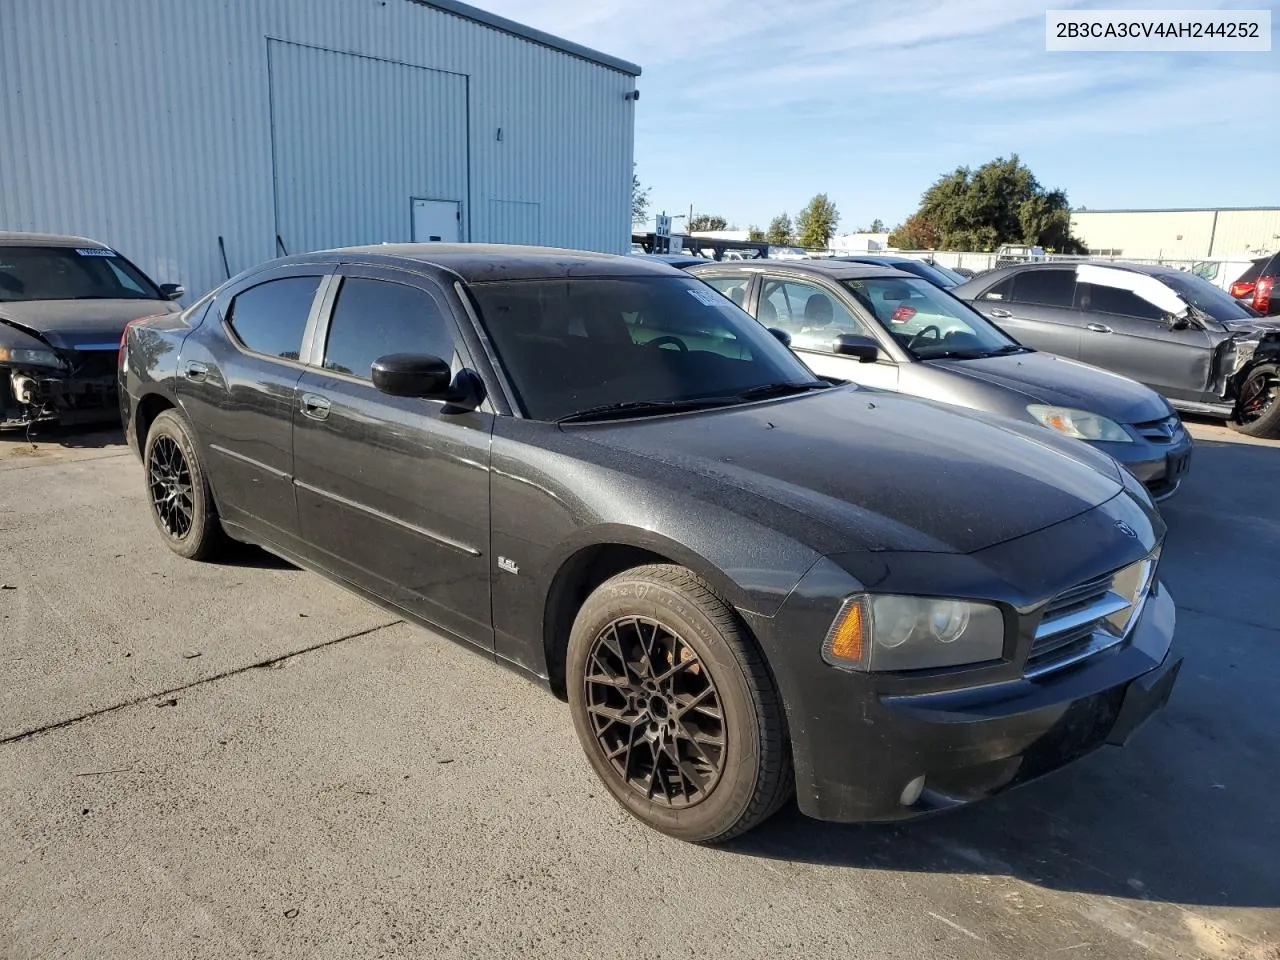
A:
(675, 707)
(181, 503)
(1257, 411)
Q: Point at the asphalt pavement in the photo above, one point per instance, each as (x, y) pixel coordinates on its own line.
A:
(242, 760)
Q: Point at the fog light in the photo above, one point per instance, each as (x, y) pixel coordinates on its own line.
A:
(911, 792)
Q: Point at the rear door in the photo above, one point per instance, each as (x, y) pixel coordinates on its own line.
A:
(393, 492)
(1129, 335)
(1037, 308)
(238, 377)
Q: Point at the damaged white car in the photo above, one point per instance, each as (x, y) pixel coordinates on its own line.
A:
(1172, 330)
(64, 305)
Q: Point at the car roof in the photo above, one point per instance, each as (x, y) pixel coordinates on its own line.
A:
(481, 262)
(831, 269)
(14, 239)
(1151, 269)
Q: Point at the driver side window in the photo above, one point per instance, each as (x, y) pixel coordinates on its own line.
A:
(809, 313)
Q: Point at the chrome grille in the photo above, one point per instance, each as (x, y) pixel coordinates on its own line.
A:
(1160, 431)
(1090, 617)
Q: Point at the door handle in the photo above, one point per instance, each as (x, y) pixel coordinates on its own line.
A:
(315, 406)
(1001, 313)
(1099, 328)
(195, 371)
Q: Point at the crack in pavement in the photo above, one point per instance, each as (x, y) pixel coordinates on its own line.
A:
(258, 665)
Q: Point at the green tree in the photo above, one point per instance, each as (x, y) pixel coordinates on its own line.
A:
(1000, 202)
(707, 221)
(639, 199)
(780, 230)
(816, 223)
(755, 234)
(877, 226)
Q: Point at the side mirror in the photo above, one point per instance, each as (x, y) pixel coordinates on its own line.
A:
(1176, 322)
(862, 349)
(425, 376)
(172, 291)
(781, 336)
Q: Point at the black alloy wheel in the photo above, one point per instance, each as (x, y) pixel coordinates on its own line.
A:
(675, 706)
(1257, 412)
(169, 479)
(655, 712)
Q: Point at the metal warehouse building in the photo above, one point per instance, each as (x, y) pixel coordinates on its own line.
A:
(200, 137)
(1179, 234)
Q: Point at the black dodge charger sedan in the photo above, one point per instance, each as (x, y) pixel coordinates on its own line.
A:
(746, 580)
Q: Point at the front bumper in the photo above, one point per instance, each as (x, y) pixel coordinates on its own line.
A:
(968, 745)
(1160, 467)
(32, 394)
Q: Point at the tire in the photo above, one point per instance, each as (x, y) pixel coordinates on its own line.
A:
(674, 777)
(1266, 422)
(178, 492)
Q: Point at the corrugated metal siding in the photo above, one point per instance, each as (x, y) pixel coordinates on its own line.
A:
(515, 221)
(147, 123)
(384, 131)
(1178, 233)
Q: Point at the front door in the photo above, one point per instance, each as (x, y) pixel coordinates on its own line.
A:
(240, 392)
(1130, 335)
(815, 316)
(393, 492)
(436, 221)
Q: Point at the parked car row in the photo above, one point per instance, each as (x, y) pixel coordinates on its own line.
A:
(749, 580)
(1171, 330)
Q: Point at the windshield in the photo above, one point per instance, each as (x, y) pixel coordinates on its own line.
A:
(955, 278)
(927, 270)
(1207, 297)
(572, 345)
(929, 323)
(65, 273)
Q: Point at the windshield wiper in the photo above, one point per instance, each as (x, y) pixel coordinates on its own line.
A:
(609, 411)
(781, 389)
(1007, 349)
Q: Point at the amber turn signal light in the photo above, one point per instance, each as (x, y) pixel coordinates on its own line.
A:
(846, 640)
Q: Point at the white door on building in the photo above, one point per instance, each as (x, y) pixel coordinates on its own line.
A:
(436, 221)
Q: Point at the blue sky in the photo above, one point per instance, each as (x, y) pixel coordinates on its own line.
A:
(749, 107)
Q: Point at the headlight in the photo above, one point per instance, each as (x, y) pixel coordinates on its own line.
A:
(1080, 424)
(887, 632)
(35, 358)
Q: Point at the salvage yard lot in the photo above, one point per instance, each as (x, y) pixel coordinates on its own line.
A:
(240, 759)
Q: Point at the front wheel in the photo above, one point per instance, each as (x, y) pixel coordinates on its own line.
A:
(675, 707)
(1257, 412)
(181, 502)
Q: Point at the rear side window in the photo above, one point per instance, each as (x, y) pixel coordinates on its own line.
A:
(271, 317)
(1047, 288)
(374, 318)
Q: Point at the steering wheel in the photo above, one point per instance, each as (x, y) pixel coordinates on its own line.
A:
(659, 342)
(937, 335)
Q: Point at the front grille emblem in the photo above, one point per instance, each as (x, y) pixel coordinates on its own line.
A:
(1124, 528)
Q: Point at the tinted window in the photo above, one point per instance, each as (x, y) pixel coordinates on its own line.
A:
(1205, 296)
(61, 273)
(1001, 291)
(930, 323)
(373, 318)
(1122, 302)
(812, 316)
(735, 287)
(271, 317)
(571, 345)
(1254, 270)
(1047, 288)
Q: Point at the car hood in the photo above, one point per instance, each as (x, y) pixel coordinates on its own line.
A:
(882, 471)
(1251, 327)
(1045, 378)
(68, 324)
